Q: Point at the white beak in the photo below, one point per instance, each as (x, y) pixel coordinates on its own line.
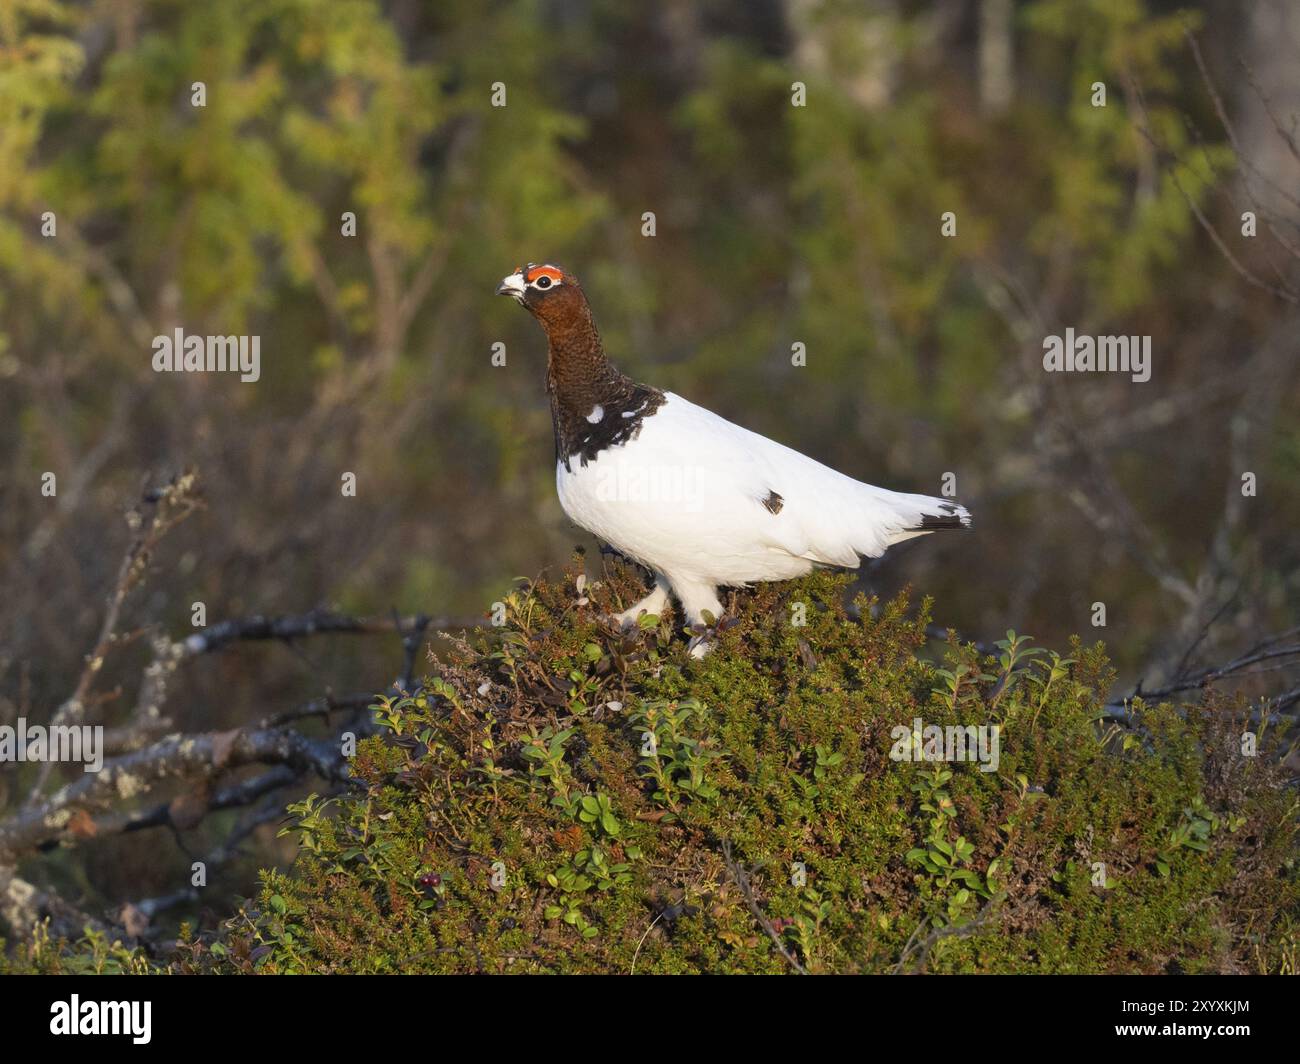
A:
(512, 286)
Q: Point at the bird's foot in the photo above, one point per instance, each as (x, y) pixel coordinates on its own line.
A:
(630, 620)
(699, 646)
(704, 634)
(653, 605)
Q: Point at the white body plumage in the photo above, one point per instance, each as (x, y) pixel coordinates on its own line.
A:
(705, 503)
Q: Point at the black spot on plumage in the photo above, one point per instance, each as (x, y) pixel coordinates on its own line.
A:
(773, 502)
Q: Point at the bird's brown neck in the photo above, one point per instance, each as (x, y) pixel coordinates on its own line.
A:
(578, 373)
(589, 396)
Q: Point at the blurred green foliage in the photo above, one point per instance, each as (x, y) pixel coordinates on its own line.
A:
(817, 224)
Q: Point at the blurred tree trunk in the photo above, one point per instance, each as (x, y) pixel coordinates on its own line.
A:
(1271, 83)
(857, 50)
(996, 56)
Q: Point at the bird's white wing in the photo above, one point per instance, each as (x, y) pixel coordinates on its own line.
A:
(828, 517)
(748, 508)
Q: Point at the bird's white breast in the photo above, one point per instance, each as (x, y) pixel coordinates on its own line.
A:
(685, 499)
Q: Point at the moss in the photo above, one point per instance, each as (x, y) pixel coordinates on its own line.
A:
(558, 797)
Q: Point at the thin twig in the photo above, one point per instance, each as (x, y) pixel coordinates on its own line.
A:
(939, 934)
(738, 874)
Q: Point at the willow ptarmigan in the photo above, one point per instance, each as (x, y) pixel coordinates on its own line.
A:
(699, 501)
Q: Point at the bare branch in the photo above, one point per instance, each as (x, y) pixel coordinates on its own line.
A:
(172, 504)
(741, 878)
(1238, 267)
(175, 757)
(222, 854)
(1222, 672)
(317, 622)
(927, 944)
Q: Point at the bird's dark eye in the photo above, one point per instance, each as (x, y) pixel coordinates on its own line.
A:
(543, 282)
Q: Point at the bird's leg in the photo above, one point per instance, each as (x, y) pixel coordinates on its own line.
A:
(697, 599)
(653, 604)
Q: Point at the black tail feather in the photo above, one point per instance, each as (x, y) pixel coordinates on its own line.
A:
(954, 517)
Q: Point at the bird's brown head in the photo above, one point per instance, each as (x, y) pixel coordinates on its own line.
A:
(549, 293)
